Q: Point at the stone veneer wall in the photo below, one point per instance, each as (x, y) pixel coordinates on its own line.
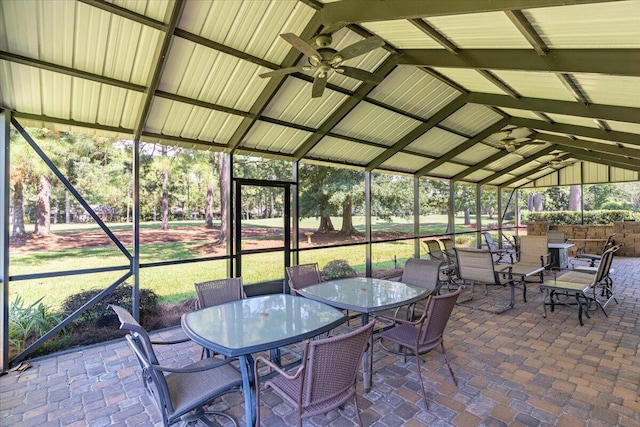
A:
(627, 233)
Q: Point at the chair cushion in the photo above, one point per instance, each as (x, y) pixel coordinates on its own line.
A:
(189, 390)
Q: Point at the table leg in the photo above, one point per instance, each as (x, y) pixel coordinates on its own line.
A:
(246, 368)
(368, 381)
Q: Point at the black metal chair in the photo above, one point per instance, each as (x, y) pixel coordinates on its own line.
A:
(180, 394)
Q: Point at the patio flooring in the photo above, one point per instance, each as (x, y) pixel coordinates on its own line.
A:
(514, 369)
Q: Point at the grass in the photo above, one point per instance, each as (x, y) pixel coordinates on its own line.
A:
(175, 283)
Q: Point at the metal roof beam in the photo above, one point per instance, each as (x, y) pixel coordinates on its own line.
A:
(593, 111)
(604, 159)
(69, 122)
(435, 35)
(126, 13)
(416, 133)
(463, 147)
(621, 62)
(161, 56)
(526, 29)
(517, 165)
(589, 145)
(365, 11)
(612, 135)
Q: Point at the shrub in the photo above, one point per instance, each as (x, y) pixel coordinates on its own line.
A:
(27, 324)
(338, 269)
(600, 217)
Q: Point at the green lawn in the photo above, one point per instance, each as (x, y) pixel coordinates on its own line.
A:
(174, 283)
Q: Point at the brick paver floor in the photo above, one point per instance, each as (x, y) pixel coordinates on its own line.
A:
(514, 369)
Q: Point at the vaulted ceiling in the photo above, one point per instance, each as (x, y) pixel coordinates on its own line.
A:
(562, 75)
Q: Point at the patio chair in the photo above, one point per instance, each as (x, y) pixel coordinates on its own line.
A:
(424, 334)
(447, 269)
(477, 266)
(587, 289)
(534, 257)
(496, 251)
(327, 377)
(180, 394)
(303, 275)
(593, 258)
(216, 292)
(424, 273)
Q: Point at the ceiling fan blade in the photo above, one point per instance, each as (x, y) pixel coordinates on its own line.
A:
(357, 73)
(300, 44)
(319, 84)
(360, 48)
(283, 71)
(510, 148)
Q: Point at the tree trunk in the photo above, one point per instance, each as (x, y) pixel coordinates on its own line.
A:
(574, 198)
(325, 224)
(208, 209)
(18, 210)
(67, 207)
(165, 194)
(537, 203)
(43, 208)
(223, 169)
(467, 217)
(347, 219)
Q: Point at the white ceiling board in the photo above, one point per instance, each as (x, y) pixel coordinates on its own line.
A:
(490, 30)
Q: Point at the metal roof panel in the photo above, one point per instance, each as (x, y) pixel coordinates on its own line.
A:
(572, 120)
(611, 90)
(535, 84)
(275, 138)
(436, 142)
(405, 162)
(375, 124)
(402, 34)
(470, 79)
(413, 90)
(480, 31)
(342, 150)
(471, 119)
(476, 154)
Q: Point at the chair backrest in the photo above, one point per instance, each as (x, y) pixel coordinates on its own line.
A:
(532, 248)
(605, 264)
(140, 343)
(436, 315)
(488, 240)
(555, 236)
(332, 364)
(303, 275)
(476, 265)
(609, 243)
(421, 272)
(435, 252)
(215, 292)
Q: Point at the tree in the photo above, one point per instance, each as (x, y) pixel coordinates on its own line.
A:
(574, 198)
(325, 191)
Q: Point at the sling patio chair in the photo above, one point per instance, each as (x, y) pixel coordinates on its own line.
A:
(477, 266)
(592, 259)
(533, 259)
(585, 288)
(496, 251)
(446, 257)
(180, 394)
(424, 334)
(216, 292)
(325, 380)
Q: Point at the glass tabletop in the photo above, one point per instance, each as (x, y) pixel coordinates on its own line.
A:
(259, 323)
(364, 294)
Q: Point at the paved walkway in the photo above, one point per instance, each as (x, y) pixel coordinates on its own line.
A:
(514, 369)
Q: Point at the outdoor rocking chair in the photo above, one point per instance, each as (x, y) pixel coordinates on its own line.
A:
(180, 394)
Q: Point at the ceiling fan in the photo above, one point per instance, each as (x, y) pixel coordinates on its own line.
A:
(511, 143)
(559, 160)
(324, 60)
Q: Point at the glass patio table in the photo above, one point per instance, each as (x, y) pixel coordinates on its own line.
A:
(365, 295)
(239, 328)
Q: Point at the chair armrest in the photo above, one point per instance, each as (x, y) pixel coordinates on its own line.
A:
(191, 368)
(178, 341)
(400, 320)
